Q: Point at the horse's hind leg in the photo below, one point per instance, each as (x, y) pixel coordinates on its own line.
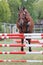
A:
(29, 41)
(22, 41)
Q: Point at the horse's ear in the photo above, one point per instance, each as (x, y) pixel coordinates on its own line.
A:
(24, 8)
(18, 8)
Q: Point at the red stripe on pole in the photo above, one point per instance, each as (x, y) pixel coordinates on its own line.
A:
(18, 60)
(12, 34)
(35, 41)
(42, 34)
(1, 52)
(12, 45)
(11, 37)
(17, 40)
(1, 45)
(17, 45)
(1, 60)
(19, 52)
(16, 37)
(42, 37)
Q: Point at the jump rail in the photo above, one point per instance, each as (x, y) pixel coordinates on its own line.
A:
(21, 45)
(22, 52)
(19, 34)
(22, 61)
(32, 41)
(27, 36)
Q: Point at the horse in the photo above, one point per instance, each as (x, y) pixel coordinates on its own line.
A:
(25, 24)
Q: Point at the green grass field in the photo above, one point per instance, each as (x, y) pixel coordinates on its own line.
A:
(18, 57)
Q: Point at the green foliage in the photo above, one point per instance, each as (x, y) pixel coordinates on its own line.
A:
(9, 9)
(38, 7)
(14, 4)
(4, 11)
(14, 9)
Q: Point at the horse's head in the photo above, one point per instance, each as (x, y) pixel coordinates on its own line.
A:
(21, 16)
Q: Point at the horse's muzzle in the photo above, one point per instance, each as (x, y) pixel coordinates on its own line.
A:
(21, 22)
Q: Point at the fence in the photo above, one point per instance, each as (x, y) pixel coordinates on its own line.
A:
(11, 28)
(21, 52)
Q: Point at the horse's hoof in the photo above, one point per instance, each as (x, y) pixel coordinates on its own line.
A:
(22, 49)
(30, 50)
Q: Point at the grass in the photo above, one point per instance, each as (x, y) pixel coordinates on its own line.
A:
(18, 57)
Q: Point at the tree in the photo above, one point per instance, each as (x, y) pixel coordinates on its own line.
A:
(14, 9)
(14, 4)
(38, 7)
(5, 13)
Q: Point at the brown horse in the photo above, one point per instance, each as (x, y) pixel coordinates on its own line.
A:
(25, 24)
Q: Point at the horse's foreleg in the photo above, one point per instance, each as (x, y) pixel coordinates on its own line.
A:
(29, 41)
(22, 41)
